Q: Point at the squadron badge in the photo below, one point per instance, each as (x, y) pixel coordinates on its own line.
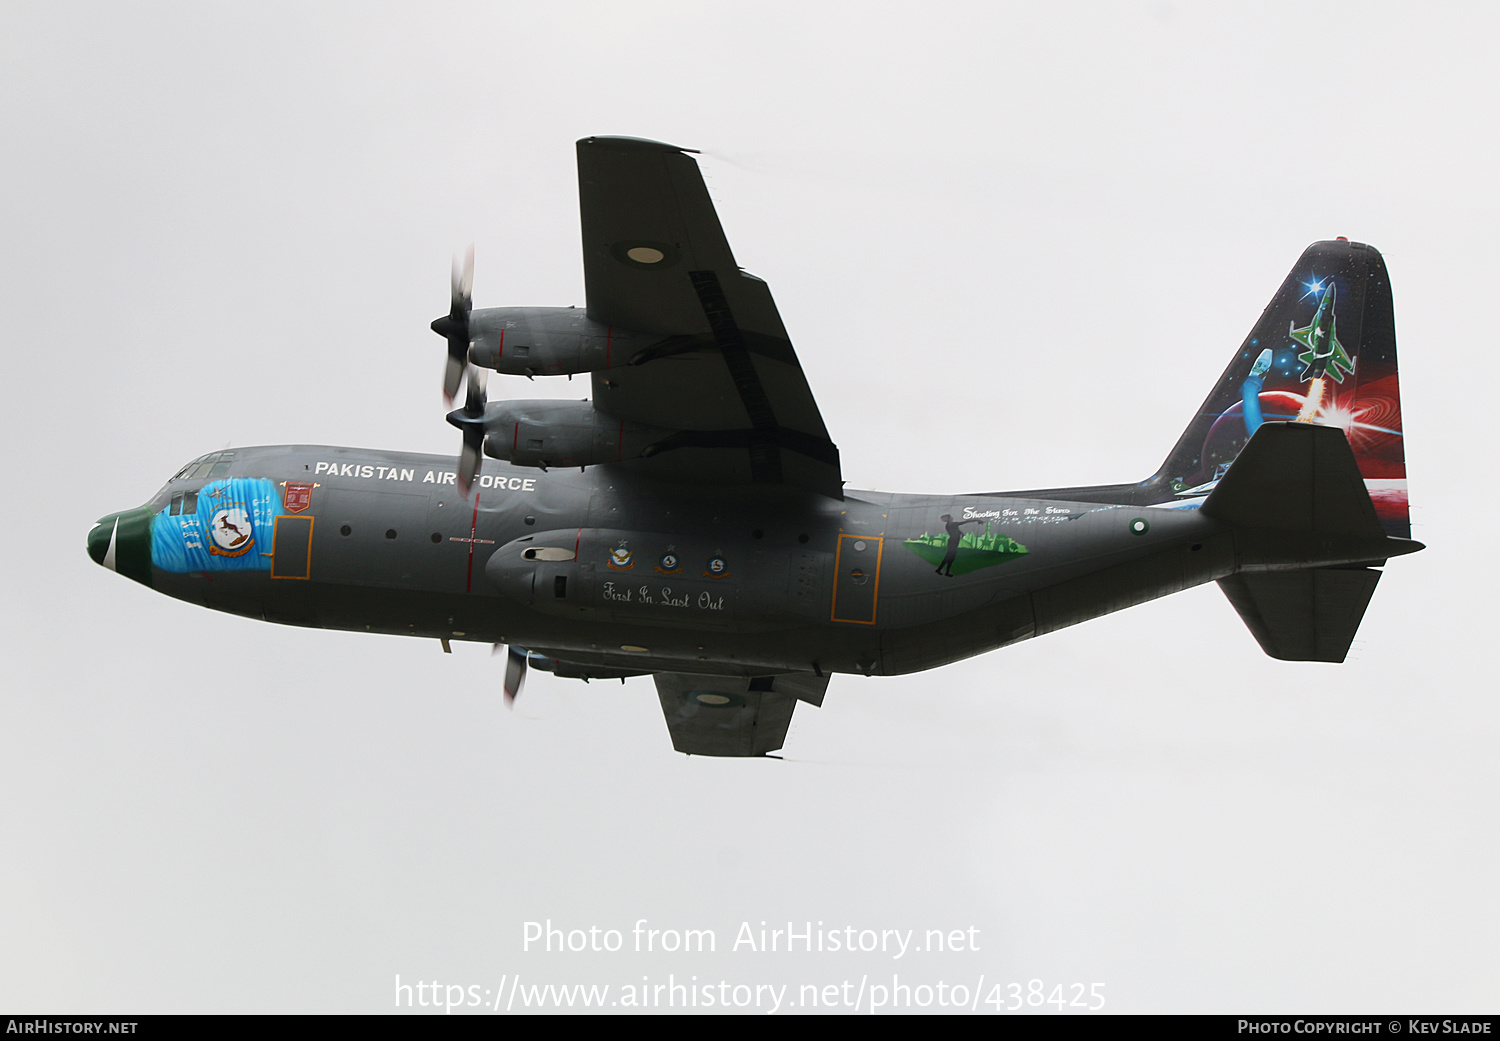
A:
(230, 533)
(297, 495)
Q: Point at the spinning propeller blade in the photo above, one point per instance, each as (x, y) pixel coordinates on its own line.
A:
(515, 673)
(454, 326)
(470, 420)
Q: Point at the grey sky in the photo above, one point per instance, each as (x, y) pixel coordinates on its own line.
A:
(1037, 232)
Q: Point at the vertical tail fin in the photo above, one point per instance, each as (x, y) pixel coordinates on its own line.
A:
(1323, 351)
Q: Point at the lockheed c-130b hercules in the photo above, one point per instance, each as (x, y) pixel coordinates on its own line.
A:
(691, 523)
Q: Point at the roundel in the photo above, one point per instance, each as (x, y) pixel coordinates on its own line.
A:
(714, 698)
(1139, 526)
(638, 253)
(230, 531)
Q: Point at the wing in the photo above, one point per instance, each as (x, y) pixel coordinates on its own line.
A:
(723, 378)
(733, 715)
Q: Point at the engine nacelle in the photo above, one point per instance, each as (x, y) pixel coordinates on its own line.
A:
(557, 341)
(562, 433)
(569, 670)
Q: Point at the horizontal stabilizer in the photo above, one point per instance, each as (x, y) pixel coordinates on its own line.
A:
(1306, 615)
(733, 715)
(1296, 477)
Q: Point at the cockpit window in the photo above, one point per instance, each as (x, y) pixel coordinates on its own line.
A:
(184, 502)
(214, 465)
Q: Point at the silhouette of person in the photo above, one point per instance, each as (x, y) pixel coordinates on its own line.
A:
(955, 532)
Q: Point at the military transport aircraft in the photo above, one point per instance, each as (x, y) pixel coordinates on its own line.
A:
(690, 522)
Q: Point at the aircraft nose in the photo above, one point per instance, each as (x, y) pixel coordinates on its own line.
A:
(101, 538)
(122, 542)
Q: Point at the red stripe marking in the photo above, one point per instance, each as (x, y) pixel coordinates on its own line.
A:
(473, 533)
(576, 543)
(500, 351)
(516, 440)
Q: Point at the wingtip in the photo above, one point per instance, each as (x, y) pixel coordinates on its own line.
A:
(610, 141)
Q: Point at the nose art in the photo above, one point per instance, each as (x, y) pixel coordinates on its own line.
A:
(122, 542)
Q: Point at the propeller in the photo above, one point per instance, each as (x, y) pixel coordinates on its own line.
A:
(470, 420)
(454, 326)
(515, 672)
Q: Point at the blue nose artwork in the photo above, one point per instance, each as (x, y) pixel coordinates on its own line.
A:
(224, 526)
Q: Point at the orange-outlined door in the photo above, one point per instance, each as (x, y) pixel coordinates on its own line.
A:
(856, 578)
(291, 546)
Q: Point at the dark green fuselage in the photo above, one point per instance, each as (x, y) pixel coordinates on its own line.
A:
(627, 573)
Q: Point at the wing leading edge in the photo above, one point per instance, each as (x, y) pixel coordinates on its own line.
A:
(724, 376)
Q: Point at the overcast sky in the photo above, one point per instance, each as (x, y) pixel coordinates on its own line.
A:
(1014, 244)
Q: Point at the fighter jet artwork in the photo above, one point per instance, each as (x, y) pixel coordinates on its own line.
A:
(690, 521)
(1324, 354)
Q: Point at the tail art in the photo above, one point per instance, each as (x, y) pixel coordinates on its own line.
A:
(1324, 352)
